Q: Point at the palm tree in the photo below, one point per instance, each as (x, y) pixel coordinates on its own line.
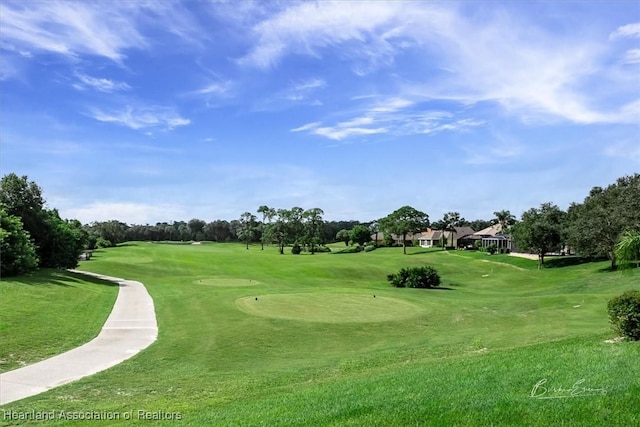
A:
(505, 219)
(451, 220)
(628, 248)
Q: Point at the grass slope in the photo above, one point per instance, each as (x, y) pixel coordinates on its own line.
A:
(48, 312)
(321, 350)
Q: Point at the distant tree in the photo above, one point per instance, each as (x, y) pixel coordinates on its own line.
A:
(17, 252)
(278, 230)
(247, 229)
(196, 227)
(374, 228)
(296, 225)
(113, 231)
(597, 225)
(541, 230)
(267, 214)
(360, 234)
(479, 224)
(331, 228)
(313, 228)
(343, 236)
(451, 220)
(404, 221)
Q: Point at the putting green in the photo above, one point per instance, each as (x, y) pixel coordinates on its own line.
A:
(329, 308)
(226, 281)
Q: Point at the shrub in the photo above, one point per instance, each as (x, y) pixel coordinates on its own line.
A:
(103, 243)
(322, 249)
(624, 314)
(369, 248)
(415, 277)
(492, 249)
(296, 249)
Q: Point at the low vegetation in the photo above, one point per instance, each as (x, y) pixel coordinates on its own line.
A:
(415, 277)
(624, 314)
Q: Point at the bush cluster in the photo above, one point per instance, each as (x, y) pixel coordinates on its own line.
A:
(624, 314)
(370, 248)
(296, 249)
(415, 277)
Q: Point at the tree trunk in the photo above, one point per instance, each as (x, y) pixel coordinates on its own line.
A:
(540, 260)
(404, 244)
(614, 263)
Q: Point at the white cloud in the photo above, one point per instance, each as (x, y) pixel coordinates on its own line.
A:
(100, 84)
(629, 30)
(307, 28)
(632, 56)
(142, 118)
(529, 70)
(71, 28)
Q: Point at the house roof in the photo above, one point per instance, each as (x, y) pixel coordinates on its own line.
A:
(459, 233)
(489, 231)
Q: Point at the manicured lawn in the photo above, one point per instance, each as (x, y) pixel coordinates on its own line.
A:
(48, 312)
(316, 348)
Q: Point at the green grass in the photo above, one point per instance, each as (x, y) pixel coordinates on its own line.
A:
(48, 312)
(317, 349)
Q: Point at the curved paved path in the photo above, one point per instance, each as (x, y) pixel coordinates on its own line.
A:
(130, 328)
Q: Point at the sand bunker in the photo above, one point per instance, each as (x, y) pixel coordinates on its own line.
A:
(329, 308)
(226, 282)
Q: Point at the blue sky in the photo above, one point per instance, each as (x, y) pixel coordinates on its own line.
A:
(148, 111)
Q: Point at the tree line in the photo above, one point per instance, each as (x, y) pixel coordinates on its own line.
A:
(605, 224)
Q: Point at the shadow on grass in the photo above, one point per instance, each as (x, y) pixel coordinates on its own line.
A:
(568, 261)
(423, 251)
(61, 278)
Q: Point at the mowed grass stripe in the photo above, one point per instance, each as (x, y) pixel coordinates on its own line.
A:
(470, 353)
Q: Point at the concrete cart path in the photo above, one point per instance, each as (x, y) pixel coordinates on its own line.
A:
(130, 328)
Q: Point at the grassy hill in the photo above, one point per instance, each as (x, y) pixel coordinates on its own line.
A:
(250, 337)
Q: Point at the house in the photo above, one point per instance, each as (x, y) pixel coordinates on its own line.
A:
(379, 238)
(458, 237)
(493, 236)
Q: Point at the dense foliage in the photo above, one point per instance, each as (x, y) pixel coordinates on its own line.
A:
(541, 230)
(624, 314)
(404, 221)
(18, 254)
(415, 277)
(57, 242)
(596, 225)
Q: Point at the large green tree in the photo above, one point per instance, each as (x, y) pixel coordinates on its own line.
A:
(17, 252)
(313, 228)
(58, 243)
(598, 223)
(343, 235)
(404, 221)
(541, 230)
(278, 230)
(196, 227)
(267, 215)
(360, 234)
(247, 228)
(63, 244)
